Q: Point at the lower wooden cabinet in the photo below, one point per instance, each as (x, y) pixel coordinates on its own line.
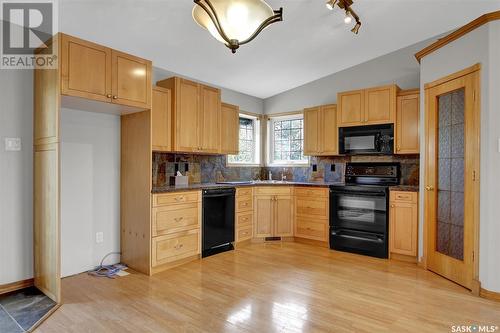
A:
(403, 223)
(244, 214)
(312, 213)
(273, 212)
(170, 248)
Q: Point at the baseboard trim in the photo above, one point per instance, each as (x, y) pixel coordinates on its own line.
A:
(10, 287)
(493, 295)
(312, 242)
(404, 258)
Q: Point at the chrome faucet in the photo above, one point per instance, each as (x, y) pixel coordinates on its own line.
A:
(283, 176)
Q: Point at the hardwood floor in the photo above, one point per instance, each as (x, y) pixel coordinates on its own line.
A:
(278, 287)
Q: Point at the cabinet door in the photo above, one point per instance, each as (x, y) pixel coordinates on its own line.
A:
(403, 228)
(161, 120)
(329, 131)
(351, 108)
(86, 69)
(407, 124)
(187, 116)
(131, 80)
(311, 131)
(283, 216)
(264, 211)
(210, 119)
(230, 129)
(380, 105)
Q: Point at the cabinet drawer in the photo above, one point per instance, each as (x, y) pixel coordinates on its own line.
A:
(176, 198)
(308, 207)
(244, 219)
(273, 190)
(315, 192)
(244, 233)
(173, 218)
(174, 247)
(244, 191)
(403, 196)
(244, 204)
(308, 228)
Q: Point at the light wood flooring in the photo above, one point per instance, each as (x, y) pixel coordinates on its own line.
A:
(277, 287)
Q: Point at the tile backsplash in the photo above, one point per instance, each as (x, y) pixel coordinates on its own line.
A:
(213, 168)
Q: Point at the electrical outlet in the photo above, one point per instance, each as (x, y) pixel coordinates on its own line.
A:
(99, 237)
(12, 144)
(332, 167)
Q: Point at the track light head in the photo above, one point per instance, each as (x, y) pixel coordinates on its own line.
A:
(330, 4)
(356, 27)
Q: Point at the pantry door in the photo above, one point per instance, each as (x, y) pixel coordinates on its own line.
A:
(452, 176)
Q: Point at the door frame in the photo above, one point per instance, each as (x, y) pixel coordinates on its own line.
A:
(471, 163)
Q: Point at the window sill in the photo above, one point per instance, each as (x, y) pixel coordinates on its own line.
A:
(244, 165)
(291, 165)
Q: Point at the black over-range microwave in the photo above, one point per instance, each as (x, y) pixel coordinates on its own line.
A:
(373, 139)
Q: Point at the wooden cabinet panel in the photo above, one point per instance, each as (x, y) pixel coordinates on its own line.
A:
(244, 219)
(380, 105)
(131, 80)
(408, 124)
(243, 191)
(312, 131)
(230, 129)
(244, 204)
(169, 248)
(329, 132)
(312, 207)
(85, 69)
(403, 227)
(174, 218)
(273, 190)
(283, 216)
(210, 119)
(351, 108)
(264, 216)
(311, 229)
(243, 234)
(161, 120)
(176, 198)
(187, 116)
(312, 192)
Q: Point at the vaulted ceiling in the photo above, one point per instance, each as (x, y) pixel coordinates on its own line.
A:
(310, 43)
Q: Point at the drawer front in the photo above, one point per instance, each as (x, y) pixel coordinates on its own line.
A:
(403, 196)
(175, 247)
(308, 207)
(244, 233)
(314, 192)
(244, 204)
(310, 229)
(244, 219)
(273, 190)
(244, 191)
(176, 198)
(168, 220)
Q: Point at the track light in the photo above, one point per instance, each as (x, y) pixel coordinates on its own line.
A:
(356, 27)
(350, 14)
(347, 18)
(330, 4)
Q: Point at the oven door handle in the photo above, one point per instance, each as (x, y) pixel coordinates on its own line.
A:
(378, 240)
(366, 194)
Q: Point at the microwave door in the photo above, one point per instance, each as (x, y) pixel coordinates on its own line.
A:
(360, 144)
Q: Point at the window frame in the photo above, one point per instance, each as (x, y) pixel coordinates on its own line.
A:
(270, 141)
(257, 141)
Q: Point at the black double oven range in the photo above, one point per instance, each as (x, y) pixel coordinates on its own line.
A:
(359, 210)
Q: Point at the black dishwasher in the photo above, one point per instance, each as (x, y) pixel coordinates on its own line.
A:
(218, 220)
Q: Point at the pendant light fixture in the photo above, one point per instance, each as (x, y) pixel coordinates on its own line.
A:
(349, 13)
(235, 22)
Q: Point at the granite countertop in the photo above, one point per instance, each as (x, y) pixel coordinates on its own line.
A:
(404, 188)
(204, 186)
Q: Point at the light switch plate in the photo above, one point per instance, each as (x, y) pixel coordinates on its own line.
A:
(12, 144)
(99, 237)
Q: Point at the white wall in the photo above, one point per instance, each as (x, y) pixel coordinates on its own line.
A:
(16, 176)
(398, 67)
(90, 189)
(479, 46)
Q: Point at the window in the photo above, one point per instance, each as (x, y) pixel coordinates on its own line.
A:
(286, 140)
(249, 142)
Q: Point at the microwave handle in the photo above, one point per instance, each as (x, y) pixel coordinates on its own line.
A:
(377, 141)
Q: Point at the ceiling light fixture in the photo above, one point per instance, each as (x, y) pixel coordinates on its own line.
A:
(235, 22)
(349, 12)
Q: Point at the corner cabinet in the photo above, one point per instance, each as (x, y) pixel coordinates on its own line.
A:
(230, 129)
(403, 224)
(196, 111)
(321, 131)
(96, 72)
(408, 122)
(367, 106)
(273, 211)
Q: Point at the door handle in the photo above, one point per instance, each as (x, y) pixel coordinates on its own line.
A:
(429, 188)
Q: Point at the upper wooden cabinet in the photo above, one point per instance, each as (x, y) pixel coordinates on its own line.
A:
(95, 72)
(320, 131)
(368, 106)
(230, 129)
(408, 122)
(196, 111)
(161, 120)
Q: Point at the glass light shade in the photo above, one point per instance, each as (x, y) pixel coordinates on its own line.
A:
(238, 18)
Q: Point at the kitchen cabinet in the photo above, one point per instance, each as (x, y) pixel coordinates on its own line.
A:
(273, 212)
(408, 122)
(403, 224)
(367, 106)
(96, 72)
(312, 213)
(230, 129)
(321, 131)
(196, 111)
(161, 120)
(244, 214)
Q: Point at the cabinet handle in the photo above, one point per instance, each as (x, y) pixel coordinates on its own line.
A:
(429, 188)
(179, 199)
(108, 96)
(179, 246)
(115, 97)
(398, 148)
(392, 206)
(178, 219)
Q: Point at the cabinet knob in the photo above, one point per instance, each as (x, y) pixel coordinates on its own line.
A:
(108, 96)
(429, 188)
(392, 206)
(115, 97)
